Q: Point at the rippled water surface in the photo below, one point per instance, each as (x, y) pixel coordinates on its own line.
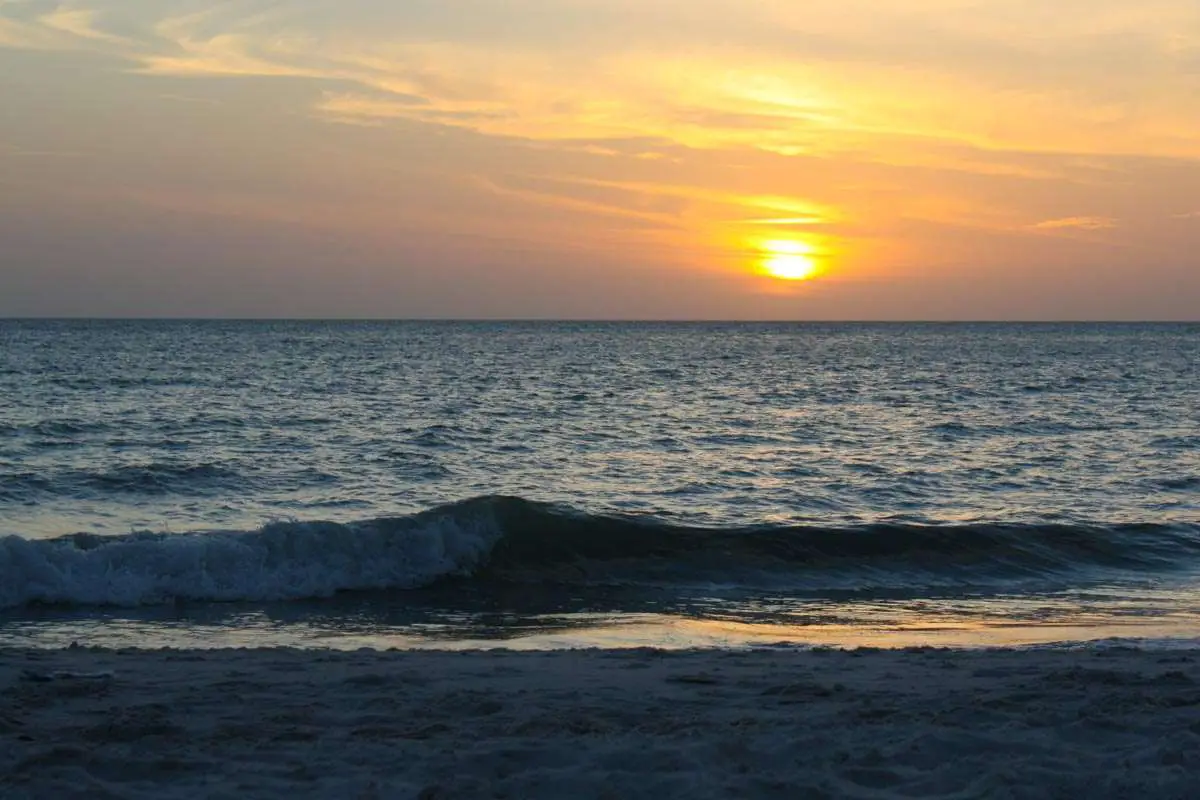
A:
(1059, 466)
(112, 426)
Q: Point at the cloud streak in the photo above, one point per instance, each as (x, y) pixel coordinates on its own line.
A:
(1077, 223)
(829, 80)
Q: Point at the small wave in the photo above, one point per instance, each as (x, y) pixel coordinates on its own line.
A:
(413, 464)
(281, 561)
(52, 428)
(1181, 483)
(66, 427)
(141, 381)
(508, 539)
(1177, 442)
(436, 437)
(954, 429)
(735, 439)
(160, 478)
(194, 480)
(22, 487)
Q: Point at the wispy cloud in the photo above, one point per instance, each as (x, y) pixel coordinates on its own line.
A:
(888, 79)
(1077, 223)
(80, 23)
(14, 151)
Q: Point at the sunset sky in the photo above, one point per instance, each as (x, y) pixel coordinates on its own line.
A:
(695, 159)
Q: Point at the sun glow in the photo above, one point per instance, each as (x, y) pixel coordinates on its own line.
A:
(788, 260)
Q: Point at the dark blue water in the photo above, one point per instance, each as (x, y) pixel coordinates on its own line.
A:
(451, 481)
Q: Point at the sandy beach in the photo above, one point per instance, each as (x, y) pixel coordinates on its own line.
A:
(1106, 722)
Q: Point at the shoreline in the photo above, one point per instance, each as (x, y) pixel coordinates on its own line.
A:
(1112, 721)
(884, 629)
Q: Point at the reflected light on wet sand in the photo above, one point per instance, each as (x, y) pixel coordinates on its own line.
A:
(609, 631)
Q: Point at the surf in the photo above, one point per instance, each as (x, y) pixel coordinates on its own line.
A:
(511, 540)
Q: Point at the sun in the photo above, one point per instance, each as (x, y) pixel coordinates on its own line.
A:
(788, 260)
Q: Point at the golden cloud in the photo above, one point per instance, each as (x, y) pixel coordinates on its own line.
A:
(1077, 223)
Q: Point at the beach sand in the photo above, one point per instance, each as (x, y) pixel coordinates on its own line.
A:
(1105, 722)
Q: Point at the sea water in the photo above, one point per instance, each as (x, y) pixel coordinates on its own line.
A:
(560, 484)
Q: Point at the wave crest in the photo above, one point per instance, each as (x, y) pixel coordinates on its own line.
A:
(281, 561)
(514, 540)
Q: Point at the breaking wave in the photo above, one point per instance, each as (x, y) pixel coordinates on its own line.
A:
(511, 540)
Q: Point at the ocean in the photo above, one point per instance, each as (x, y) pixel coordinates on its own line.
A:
(555, 484)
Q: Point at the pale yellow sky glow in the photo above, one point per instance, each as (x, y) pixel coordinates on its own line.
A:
(914, 159)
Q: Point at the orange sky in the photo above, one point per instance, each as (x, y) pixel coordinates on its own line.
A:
(899, 159)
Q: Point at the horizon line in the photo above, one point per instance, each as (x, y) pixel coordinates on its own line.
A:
(605, 320)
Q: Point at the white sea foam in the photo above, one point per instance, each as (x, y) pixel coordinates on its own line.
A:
(283, 560)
